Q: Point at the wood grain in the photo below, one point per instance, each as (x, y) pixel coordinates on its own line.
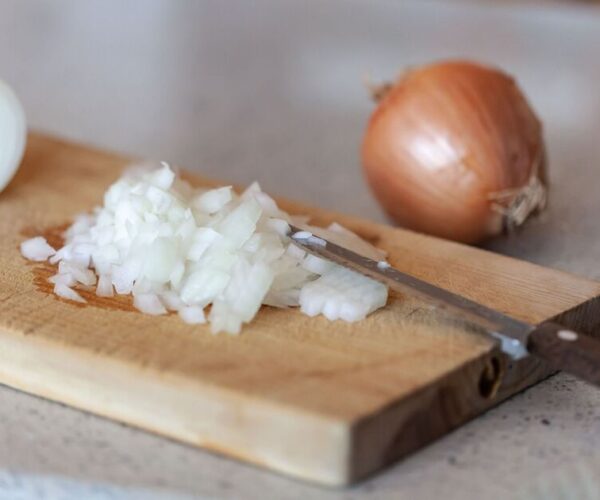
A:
(327, 402)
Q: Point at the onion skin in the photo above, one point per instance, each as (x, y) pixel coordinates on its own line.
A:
(444, 140)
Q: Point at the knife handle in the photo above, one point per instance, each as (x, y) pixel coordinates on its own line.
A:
(567, 350)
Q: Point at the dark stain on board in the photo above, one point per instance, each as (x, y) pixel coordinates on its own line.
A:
(43, 270)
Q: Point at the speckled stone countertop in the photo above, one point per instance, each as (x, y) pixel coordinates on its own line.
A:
(273, 90)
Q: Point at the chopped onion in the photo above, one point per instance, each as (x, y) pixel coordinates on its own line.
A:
(163, 178)
(295, 252)
(214, 200)
(179, 249)
(278, 226)
(63, 279)
(342, 294)
(302, 235)
(172, 300)
(66, 292)
(316, 264)
(202, 239)
(81, 274)
(149, 303)
(37, 249)
(105, 287)
(192, 315)
(315, 240)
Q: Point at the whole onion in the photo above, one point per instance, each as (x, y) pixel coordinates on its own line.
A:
(13, 134)
(453, 149)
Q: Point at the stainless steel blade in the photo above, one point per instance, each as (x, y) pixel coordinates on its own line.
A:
(512, 333)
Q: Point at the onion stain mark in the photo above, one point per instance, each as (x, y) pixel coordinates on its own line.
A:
(43, 270)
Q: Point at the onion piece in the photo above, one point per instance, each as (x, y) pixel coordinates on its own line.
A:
(163, 177)
(149, 303)
(177, 274)
(37, 249)
(125, 275)
(296, 252)
(172, 300)
(316, 264)
(214, 200)
(315, 240)
(202, 239)
(238, 226)
(342, 294)
(68, 293)
(193, 315)
(301, 235)
(66, 279)
(160, 260)
(283, 299)
(79, 273)
(242, 298)
(276, 225)
(104, 287)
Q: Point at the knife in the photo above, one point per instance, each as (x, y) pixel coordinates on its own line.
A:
(563, 348)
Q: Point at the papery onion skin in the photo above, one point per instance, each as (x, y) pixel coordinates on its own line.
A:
(445, 141)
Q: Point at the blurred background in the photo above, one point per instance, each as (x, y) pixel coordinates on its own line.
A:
(274, 90)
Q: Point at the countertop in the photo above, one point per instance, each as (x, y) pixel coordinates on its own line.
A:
(274, 90)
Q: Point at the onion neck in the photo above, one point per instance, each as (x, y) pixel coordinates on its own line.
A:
(378, 91)
(516, 205)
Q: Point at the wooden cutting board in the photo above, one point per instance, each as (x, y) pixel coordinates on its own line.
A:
(325, 401)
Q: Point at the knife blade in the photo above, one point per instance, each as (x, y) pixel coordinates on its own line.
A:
(563, 348)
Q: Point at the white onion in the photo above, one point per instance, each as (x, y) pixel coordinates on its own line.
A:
(214, 200)
(179, 249)
(342, 294)
(37, 249)
(82, 275)
(239, 225)
(66, 292)
(295, 252)
(172, 300)
(105, 287)
(192, 315)
(202, 239)
(316, 264)
(302, 235)
(276, 225)
(63, 279)
(124, 275)
(13, 134)
(163, 178)
(161, 260)
(315, 240)
(149, 303)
